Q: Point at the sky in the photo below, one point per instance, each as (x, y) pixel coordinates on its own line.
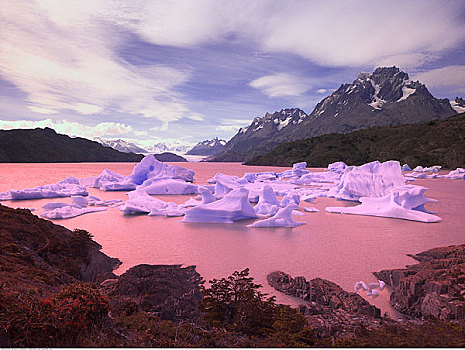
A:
(159, 71)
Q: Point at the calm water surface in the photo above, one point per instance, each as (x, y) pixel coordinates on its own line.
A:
(340, 248)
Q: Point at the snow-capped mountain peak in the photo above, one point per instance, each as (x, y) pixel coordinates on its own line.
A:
(120, 145)
(207, 147)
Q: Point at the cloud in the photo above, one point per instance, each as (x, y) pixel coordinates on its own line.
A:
(281, 84)
(67, 61)
(321, 91)
(446, 76)
(329, 33)
(70, 128)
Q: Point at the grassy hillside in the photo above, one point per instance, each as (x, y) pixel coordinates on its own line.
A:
(439, 142)
(46, 146)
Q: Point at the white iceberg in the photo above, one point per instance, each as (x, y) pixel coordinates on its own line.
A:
(140, 202)
(268, 204)
(69, 211)
(148, 169)
(403, 203)
(65, 188)
(337, 167)
(292, 197)
(234, 206)
(434, 169)
(298, 169)
(313, 178)
(371, 288)
(457, 174)
(311, 209)
(283, 218)
(168, 186)
(373, 179)
(405, 167)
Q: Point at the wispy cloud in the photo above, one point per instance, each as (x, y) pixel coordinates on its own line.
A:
(62, 55)
(106, 129)
(445, 76)
(281, 84)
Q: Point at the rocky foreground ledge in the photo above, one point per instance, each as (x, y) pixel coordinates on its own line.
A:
(331, 310)
(435, 287)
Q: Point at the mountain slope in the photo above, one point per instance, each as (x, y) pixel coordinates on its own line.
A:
(207, 147)
(121, 145)
(46, 146)
(386, 97)
(438, 142)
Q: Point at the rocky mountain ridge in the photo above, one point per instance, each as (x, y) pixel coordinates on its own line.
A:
(207, 147)
(120, 145)
(386, 97)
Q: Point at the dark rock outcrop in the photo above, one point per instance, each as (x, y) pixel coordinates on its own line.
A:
(46, 146)
(170, 292)
(169, 157)
(435, 287)
(329, 309)
(45, 255)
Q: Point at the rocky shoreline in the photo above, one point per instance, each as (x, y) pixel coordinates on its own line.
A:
(435, 287)
(39, 261)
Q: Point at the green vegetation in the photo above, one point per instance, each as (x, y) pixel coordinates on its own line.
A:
(439, 142)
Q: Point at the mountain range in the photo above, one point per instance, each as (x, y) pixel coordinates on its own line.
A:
(436, 142)
(386, 97)
(207, 147)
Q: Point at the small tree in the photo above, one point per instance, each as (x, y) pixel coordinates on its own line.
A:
(235, 303)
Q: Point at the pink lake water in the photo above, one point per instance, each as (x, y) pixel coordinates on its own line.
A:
(341, 248)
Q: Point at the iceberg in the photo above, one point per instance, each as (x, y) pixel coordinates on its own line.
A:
(337, 167)
(68, 211)
(371, 288)
(433, 169)
(291, 197)
(65, 188)
(140, 202)
(403, 203)
(283, 218)
(405, 167)
(298, 169)
(458, 173)
(372, 179)
(268, 203)
(232, 207)
(168, 186)
(148, 169)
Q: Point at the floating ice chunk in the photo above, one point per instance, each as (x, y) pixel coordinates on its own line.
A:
(207, 196)
(459, 173)
(312, 194)
(66, 210)
(337, 167)
(234, 206)
(382, 284)
(168, 186)
(298, 169)
(433, 169)
(140, 202)
(405, 167)
(65, 188)
(268, 203)
(107, 177)
(317, 177)
(283, 218)
(404, 203)
(359, 285)
(311, 209)
(79, 201)
(150, 167)
(373, 179)
(421, 175)
(292, 197)
(191, 202)
(265, 176)
(373, 293)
